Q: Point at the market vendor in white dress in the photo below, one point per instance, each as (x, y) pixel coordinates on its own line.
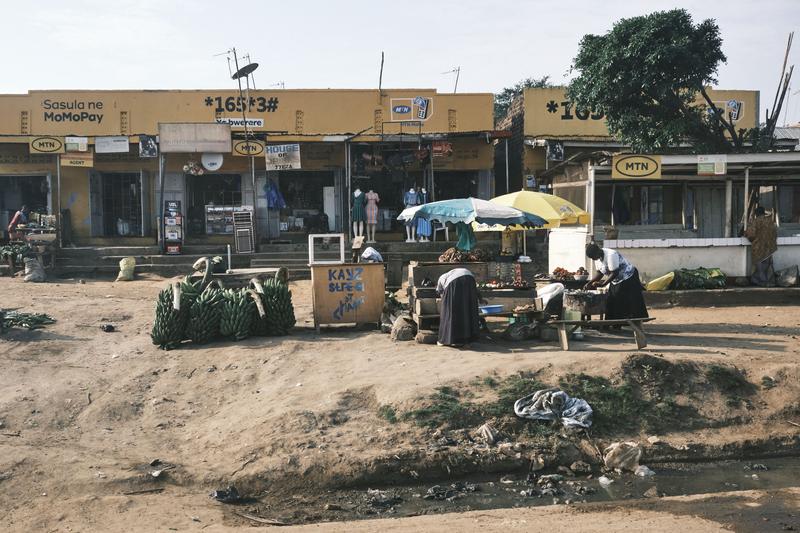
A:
(625, 297)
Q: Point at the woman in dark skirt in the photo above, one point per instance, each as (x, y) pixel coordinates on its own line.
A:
(625, 297)
(460, 322)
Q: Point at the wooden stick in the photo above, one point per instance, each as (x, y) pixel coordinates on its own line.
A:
(145, 491)
(793, 423)
(11, 434)
(268, 521)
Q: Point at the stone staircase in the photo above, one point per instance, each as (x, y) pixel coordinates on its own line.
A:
(104, 261)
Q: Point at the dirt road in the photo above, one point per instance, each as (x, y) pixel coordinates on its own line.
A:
(84, 412)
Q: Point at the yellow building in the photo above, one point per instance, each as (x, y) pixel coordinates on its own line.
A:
(99, 145)
(547, 129)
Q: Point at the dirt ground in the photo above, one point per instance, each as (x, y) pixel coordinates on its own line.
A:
(85, 412)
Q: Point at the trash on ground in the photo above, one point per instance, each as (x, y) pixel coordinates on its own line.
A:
(605, 481)
(554, 404)
(108, 328)
(489, 434)
(229, 495)
(643, 471)
(623, 456)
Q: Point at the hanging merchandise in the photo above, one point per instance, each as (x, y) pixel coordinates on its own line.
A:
(194, 168)
(275, 199)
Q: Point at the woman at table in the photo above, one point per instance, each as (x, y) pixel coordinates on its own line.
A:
(20, 217)
(625, 297)
(460, 321)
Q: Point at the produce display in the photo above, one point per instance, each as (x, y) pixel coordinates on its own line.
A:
(203, 310)
(562, 274)
(172, 313)
(14, 251)
(454, 255)
(204, 315)
(14, 319)
(497, 284)
(237, 314)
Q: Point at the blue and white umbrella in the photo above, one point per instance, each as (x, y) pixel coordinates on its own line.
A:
(469, 210)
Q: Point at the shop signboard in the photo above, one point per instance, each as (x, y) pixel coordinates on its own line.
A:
(283, 156)
(46, 145)
(712, 165)
(193, 137)
(248, 148)
(347, 293)
(238, 122)
(76, 144)
(632, 166)
(116, 144)
(78, 159)
(442, 148)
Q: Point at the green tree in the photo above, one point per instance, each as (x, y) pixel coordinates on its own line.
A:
(646, 74)
(503, 99)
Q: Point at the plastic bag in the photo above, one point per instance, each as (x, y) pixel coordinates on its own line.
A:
(787, 277)
(662, 283)
(126, 268)
(34, 271)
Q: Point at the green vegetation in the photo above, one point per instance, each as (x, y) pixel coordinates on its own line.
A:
(729, 380)
(388, 413)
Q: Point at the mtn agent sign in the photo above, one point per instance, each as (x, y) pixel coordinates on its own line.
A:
(628, 166)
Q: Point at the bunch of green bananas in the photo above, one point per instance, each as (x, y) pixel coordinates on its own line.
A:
(278, 307)
(238, 311)
(172, 314)
(205, 315)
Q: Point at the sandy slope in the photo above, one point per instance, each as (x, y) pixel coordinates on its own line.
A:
(93, 408)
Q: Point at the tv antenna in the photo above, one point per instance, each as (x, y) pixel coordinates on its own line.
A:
(457, 72)
(245, 72)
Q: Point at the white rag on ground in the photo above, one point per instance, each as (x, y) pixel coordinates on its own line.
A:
(548, 292)
(552, 404)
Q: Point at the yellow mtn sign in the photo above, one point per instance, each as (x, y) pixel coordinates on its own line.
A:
(628, 166)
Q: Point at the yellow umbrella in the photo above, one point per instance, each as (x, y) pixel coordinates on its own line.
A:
(556, 211)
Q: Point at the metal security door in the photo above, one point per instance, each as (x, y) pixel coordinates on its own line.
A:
(96, 204)
(710, 205)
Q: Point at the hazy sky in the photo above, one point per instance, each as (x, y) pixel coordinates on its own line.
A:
(165, 44)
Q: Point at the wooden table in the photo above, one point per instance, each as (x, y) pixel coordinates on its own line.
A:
(567, 327)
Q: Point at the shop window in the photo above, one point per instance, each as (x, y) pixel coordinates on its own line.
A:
(219, 190)
(16, 191)
(647, 204)
(789, 204)
(602, 204)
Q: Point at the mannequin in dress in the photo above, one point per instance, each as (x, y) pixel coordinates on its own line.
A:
(410, 199)
(423, 226)
(373, 200)
(358, 213)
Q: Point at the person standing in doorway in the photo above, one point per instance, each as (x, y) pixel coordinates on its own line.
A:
(20, 217)
(763, 236)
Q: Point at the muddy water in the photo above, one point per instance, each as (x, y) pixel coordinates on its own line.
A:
(480, 493)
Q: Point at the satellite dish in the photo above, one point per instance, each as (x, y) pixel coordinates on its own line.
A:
(244, 71)
(211, 162)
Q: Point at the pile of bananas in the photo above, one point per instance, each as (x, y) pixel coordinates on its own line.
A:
(205, 315)
(238, 312)
(172, 313)
(278, 307)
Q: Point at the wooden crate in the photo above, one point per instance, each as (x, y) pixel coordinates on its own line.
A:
(428, 306)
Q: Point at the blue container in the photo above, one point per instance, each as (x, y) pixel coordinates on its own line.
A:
(491, 309)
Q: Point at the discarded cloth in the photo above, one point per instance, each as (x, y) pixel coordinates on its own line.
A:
(552, 404)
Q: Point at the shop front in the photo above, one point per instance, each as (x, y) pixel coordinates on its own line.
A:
(25, 179)
(682, 216)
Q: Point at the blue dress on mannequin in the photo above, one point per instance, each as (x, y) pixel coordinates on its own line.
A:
(423, 226)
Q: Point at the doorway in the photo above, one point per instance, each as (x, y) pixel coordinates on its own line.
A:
(710, 205)
(119, 204)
